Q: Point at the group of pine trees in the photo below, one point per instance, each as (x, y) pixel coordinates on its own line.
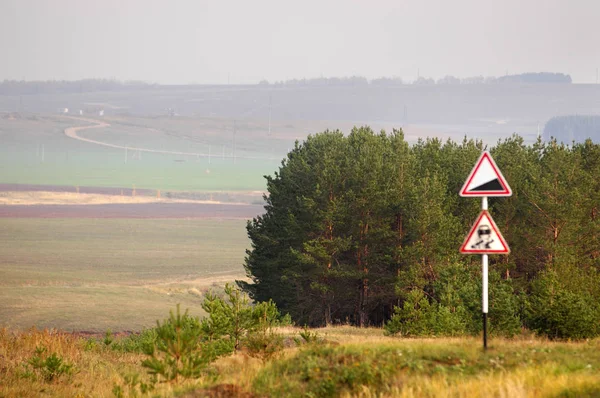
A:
(365, 229)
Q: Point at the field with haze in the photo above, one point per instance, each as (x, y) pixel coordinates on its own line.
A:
(252, 199)
(171, 144)
(107, 222)
(202, 138)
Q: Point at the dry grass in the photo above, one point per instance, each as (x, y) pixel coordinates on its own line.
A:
(528, 383)
(455, 367)
(437, 367)
(95, 371)
(123, 274)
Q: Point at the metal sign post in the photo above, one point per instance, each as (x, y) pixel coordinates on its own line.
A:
(484, 283)
(484, 237)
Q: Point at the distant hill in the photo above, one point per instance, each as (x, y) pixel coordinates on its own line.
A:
(16, 87)
(573, 128)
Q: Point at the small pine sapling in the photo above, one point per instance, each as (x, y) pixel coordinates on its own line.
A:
(177, 351)
(49, 367)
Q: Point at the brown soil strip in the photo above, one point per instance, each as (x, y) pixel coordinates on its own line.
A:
(11, 198)
(146, 210)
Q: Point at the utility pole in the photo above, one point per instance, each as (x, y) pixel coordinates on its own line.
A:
(234, 128)
(270, 103)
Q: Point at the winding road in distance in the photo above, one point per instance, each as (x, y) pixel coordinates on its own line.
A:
(71, 132)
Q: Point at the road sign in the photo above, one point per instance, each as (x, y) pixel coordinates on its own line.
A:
(485, 179)
(484, 237)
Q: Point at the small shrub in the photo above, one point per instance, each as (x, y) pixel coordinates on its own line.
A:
(233, 318)
(285, 320)
(48, 367)
(183, 346)
(504, 307)
(307, 336)
(264, 345)
(108, 337)
(417, 317)
(133, 386)
(137, 343)
(447, 321)
(176, 352)
(90, 344)
(262, 341)
(328, 371)
(452, 306)
(561, 313)
(412, 318)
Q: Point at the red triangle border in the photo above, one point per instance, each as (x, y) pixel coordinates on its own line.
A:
(463, 248)
(506, 192)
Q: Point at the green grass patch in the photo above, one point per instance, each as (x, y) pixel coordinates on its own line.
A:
(333, 370)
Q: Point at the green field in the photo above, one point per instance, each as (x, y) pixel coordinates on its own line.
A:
(36, 151)
(123, 274)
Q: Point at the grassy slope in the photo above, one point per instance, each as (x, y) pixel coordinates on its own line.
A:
(369, 364)
(122, 274)
(356, 362)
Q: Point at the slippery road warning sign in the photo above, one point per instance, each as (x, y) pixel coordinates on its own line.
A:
(484, 237)
(485, 179)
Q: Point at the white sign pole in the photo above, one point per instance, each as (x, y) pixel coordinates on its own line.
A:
(484, 237)
(484, 275)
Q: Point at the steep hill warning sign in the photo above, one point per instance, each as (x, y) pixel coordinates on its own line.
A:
(484, 237)
(485, 179)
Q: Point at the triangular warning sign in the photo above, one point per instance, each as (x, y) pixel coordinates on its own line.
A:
(485, 179)
(484, 237)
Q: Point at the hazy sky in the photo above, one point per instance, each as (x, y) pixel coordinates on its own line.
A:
(196, 41)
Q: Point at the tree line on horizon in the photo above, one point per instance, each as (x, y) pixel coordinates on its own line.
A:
(24, 87)
(522, 78)
(365, 229)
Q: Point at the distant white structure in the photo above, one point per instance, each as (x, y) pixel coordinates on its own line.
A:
(66, 110)
(81, 112)
(101, 112)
